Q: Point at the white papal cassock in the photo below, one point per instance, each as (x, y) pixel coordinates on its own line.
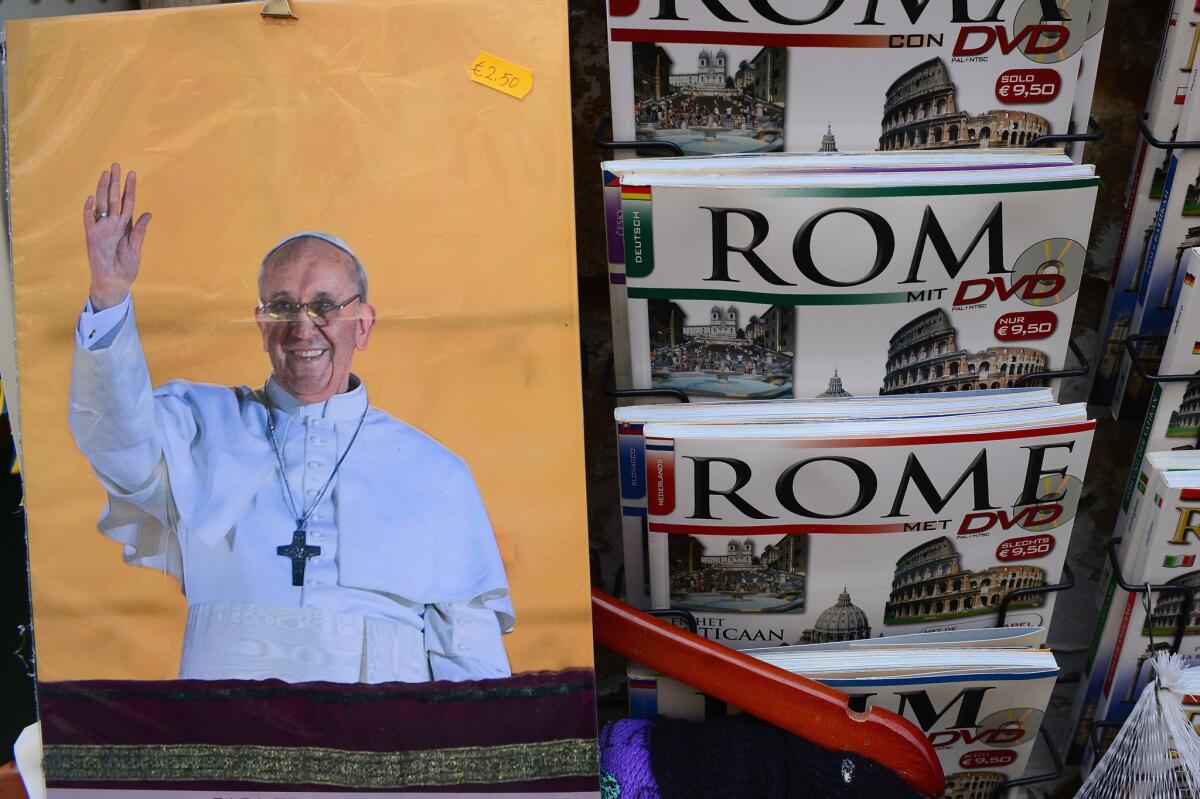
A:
(408, 585)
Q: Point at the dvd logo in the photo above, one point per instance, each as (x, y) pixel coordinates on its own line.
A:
(1001, 736)
(1026, 287)
(1032, 516)
(976, 40)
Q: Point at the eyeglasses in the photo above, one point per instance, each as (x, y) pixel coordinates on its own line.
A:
(321, 312)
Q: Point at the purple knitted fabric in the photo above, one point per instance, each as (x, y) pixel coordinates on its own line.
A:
(625, 771)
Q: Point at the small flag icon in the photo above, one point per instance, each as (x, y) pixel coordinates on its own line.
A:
(1171, 561)
(1196, 348)
(1143, 479)
(1189, 279)
(1158, 500)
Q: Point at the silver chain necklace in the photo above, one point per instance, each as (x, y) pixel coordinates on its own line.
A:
(299, 550)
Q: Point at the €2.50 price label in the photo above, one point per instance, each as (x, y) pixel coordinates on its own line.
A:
(502, 75)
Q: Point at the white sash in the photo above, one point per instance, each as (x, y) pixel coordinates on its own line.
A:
(245, 641)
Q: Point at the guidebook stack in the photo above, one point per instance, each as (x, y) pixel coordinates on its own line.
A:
(1167, 443)
(1176, 230)
(978, 696)
(1115, 603)
(748, 280)
(901, 518)
(735, 76)
(1089, 69)
(770, 277)
(850, 173)
(1161, 547)
(1147, 181)
(632, 448)
(1173, 414)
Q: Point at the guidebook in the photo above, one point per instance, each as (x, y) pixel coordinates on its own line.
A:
(979, 703)
(1089, 68)
(1147, 180)
(733, 76)
(810, 532)
(1176, 230)
(824, 163)
(1130, 557)
(632, 449)
(752, 285)
(1173, 414)
(1164, 552)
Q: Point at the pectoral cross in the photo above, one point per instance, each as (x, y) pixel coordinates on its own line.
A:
(299, 551)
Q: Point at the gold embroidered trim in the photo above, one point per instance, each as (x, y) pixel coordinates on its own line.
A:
(284, 765)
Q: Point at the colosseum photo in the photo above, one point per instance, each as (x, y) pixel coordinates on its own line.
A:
(973, 784)
(921, 113)
(931, 584)
(924, 356)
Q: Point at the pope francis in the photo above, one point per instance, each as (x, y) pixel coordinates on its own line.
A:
(315, 537)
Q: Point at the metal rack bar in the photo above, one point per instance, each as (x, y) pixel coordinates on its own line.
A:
(685, 616)
(1153, 141)
(606, 384)
(1078, 371)
(1067, 583)
(1164, 588)
(602, 142)
(1097, 740)
(1095, 133)
(1055, 755)
(1133, 346)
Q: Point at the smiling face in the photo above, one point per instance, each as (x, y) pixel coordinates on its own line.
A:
(312, 362)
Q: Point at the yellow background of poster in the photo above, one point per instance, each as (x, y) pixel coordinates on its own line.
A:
(359, 118)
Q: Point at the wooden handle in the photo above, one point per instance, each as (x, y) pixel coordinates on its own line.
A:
(801, 706)
(11, 784)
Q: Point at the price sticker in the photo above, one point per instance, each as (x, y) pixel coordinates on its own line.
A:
(1018, 86)
(502, 75)
(1027, 548)
(1025, 325)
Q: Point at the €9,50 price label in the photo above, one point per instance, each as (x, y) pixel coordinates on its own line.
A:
(502, 75)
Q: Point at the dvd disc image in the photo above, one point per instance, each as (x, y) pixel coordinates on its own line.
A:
(1057, 511)
(1063, 257)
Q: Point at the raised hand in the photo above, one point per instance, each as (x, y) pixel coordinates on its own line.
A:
(114, 240)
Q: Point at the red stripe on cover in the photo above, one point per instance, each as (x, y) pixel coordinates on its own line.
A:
(1114, 659)
(1037, 432)
(750, 39)
(774, 529)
